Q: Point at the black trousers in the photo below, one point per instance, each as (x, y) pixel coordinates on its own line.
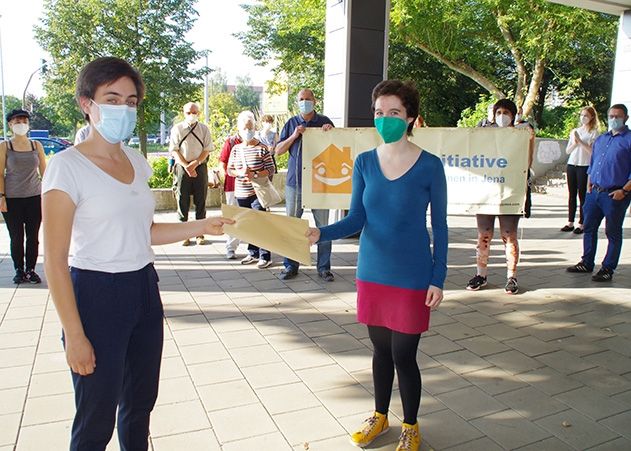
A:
(24, 216)
(396, 350)
(185, 186)
(576, 184)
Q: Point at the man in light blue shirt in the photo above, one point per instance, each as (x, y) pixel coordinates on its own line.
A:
(608, 194)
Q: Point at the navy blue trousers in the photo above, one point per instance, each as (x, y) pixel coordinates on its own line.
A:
(121, 314)
(599, 205)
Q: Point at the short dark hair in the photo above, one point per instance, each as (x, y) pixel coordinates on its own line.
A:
(405, 91)
(267, 118)
(105, 71)
(507, 105)
(619, 106)
(18, 113)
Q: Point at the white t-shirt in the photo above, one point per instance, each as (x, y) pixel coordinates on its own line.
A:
(579, 156)
(111, 230)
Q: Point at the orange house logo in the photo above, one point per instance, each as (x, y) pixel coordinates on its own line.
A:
(332, 171)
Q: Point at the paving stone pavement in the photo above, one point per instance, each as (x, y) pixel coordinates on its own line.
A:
(252, 362)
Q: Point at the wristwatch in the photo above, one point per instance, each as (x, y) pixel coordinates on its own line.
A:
(626, 193)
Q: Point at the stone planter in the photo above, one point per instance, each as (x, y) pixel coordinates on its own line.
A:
(165, 200)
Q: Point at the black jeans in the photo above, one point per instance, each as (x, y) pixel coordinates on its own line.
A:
(576, 184)
(185, 186)
(24, 215)
(253, 203)
(396, 350)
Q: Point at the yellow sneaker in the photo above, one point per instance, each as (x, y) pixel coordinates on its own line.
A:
(370, 429)
(410, 439)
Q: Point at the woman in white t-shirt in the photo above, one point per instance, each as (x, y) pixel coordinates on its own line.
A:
(98, 207)
(579, 147)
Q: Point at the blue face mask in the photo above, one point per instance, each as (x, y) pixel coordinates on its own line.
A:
(247, 134)
(305, 106)
(117, 122)
(615, 123)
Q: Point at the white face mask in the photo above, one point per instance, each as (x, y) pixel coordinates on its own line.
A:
(20, 129)
(191, 118)
(502, 120)
(266, 127)
(585, 120)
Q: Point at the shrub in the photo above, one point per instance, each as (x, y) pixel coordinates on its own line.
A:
(161, 177)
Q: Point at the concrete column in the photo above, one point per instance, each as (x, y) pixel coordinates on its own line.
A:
(621, 91)
(356, 58)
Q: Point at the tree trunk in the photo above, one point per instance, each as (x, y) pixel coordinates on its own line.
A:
(465, 70)
(535, 83)
(522, 72)
(543, 92)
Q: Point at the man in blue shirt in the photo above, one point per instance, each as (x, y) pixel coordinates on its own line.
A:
(291, 141)
(608, 194)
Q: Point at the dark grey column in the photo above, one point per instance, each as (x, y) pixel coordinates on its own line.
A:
(355, 58)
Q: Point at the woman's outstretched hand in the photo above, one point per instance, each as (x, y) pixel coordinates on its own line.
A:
(434, 296)
(313, 235)
(214, 226)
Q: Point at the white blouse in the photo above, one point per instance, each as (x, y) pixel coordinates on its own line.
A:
(578, 155)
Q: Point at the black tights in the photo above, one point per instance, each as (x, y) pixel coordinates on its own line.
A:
(395, 350)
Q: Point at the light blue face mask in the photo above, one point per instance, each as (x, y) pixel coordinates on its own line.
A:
(117, 122)
(615, 123)
(247, 134)
(305, 106)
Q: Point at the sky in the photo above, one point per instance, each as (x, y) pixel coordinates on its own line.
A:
(21, 55)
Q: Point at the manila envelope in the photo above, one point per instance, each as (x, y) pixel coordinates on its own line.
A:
(281, 235)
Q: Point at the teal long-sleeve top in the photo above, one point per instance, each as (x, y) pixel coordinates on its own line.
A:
(395, 247)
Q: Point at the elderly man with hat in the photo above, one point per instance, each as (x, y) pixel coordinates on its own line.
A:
(22, 165)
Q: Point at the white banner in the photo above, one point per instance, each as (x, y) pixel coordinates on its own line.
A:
(486, 168)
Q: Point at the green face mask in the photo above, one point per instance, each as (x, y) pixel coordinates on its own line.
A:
(390, 128)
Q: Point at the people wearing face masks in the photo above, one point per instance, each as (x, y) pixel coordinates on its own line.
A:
(98, 207)
(291, 141)
(393, 187)
(190, 146)
(608, 194)
(504, 113)
(579, 147)
(249, 161)
(22, 164)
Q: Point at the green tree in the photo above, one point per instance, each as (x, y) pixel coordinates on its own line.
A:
(224, 110)
(290, 32)
(10, 103)
(508, 46)
(245, 95)
(147, 33)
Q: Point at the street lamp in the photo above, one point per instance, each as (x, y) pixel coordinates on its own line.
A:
(4, 113)
(43, 69)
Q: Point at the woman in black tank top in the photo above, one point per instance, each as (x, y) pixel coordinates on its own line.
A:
(22, 165)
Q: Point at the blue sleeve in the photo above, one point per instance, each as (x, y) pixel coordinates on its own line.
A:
(438, 200)
(286, 131)
(354, 221)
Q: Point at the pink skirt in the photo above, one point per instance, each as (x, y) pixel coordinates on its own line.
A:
(399, 309)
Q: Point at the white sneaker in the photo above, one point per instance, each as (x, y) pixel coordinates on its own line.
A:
(248, 260)
(262, 264)
(230, 255)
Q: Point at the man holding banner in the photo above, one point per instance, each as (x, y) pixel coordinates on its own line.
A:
(291, 141)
